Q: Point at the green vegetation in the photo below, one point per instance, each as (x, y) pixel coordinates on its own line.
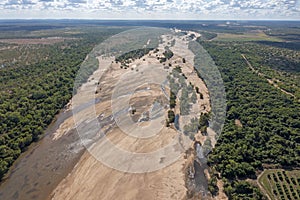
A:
(212, 186)
(33, 94)
(242, 190)
(177, 69)
(208, 71)
(171, 116)
(289, 33)
(281, 184)
(25, 54)
(206, 35)
(280, 65)
(204, 123)
(173, 100)
(271, 122)
(197, 124)
(168, 54)
(130, 56)
(198, 92)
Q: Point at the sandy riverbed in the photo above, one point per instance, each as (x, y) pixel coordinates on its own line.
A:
(91, 179)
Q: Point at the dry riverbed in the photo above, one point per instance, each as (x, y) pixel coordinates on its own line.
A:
(92, 179)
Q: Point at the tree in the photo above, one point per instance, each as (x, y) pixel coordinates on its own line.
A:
(171, 116)
(212, 186)
(3, 168)
(172, 100)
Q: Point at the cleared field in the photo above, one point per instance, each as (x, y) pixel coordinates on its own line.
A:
(281, 184)
(247, 36)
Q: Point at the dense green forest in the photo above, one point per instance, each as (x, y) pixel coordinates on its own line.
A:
(281, 65)
(278, 64)
(31, 95)
(270, 131)
(206, 35)
(135, 54)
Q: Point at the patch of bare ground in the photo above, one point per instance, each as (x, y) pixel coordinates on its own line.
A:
(221, 194)
(238, 123)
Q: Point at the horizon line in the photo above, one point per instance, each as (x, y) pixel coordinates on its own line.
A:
(146, 19)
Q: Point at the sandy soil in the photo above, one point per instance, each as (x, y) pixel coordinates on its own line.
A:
(238, 123)
(85, 94)
(91, 179)
(221, 195)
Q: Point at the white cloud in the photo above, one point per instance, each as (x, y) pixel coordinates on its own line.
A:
(157, 8)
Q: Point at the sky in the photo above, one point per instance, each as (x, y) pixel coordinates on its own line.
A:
(151, 9)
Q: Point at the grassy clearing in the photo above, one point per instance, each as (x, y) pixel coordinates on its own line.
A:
(247, 36)
(281, 184)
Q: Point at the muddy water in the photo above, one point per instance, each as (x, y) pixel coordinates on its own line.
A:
(37, 172)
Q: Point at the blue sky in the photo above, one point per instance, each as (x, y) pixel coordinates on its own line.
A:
(151, 9)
